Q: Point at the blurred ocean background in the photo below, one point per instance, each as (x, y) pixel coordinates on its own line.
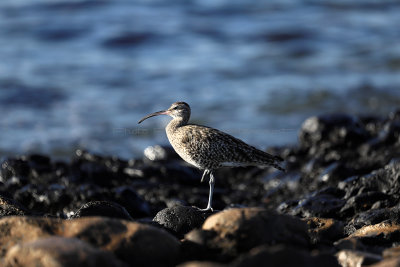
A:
(80, 74)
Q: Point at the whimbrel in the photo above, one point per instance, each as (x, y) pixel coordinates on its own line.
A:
(209, 149)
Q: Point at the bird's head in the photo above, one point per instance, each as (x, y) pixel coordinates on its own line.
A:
(176, 110)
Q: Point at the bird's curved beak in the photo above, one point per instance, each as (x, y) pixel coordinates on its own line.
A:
(162, 112)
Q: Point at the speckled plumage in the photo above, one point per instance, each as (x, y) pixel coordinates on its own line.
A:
(208, 148)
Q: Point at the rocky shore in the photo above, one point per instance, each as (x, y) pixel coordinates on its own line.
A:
(336, 205)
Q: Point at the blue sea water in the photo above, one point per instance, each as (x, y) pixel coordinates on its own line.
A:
(80, 74)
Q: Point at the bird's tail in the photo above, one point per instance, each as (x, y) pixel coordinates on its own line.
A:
(266, 159)
(276, 166)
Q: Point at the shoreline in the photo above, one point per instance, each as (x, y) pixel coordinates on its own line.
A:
(337, 203)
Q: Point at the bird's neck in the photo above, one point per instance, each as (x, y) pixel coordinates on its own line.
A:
(176, 123)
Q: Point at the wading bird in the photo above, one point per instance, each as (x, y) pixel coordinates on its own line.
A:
(209, 149)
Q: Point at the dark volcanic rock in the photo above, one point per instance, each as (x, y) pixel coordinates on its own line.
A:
(44, 199)
(373, 216)
(39, 164)
(325, 229)
(351, 197)
(332, 131)
(364, 201)
(10, 207)
(180, 219)
(384, 180)
(103, 208)
(135, 205)
(324, 203)
(15, 168)
(103, 171)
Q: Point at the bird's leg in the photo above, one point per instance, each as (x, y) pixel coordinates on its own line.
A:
(210, 196)
(204, 175)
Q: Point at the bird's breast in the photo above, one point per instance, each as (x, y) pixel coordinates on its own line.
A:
(187, 148)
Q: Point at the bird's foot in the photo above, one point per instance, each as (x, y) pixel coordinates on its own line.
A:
(206, 209)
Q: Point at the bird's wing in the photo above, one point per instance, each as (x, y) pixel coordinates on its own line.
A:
(223, 147)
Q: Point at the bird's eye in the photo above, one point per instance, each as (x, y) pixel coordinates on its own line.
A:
(175, 108)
